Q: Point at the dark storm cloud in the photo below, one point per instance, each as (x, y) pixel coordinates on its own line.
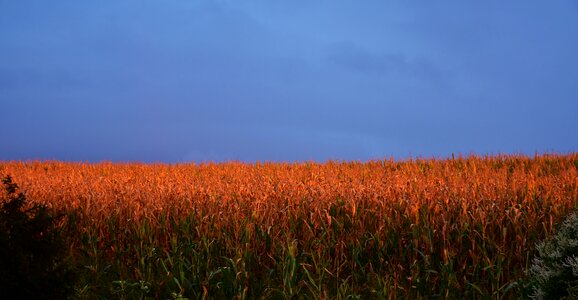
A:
(354, 58)
(275, 80)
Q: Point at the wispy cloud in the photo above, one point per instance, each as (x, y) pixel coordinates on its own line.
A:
(352, 57)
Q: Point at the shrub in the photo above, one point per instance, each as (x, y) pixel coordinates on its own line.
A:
(554, 272)
(32, 251)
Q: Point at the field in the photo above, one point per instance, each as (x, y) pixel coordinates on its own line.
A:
(420, 228)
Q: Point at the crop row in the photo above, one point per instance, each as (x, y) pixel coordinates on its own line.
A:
(420, 227)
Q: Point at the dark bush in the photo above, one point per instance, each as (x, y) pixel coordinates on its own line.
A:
(33, 254)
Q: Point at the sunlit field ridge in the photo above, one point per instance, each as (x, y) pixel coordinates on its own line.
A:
(381, 229)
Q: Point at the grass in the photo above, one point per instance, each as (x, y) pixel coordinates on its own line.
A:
(455, 228)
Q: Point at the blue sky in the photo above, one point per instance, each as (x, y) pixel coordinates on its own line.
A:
(198, 80)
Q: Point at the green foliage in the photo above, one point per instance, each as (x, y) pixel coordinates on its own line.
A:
(33, 262)
(554, 272)
(175, 260)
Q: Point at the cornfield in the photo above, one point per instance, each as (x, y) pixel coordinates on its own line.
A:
(419, 228)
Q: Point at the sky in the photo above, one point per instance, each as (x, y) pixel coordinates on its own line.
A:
(217, 80)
